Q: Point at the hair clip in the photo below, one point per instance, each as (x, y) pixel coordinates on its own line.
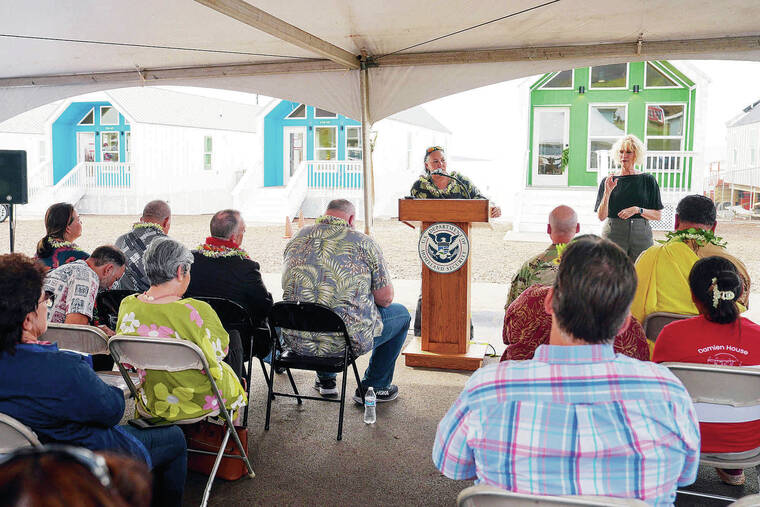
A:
(725, 295)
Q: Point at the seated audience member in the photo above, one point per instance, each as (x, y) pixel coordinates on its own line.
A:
(542, 268)
(222, 269)
(62, 227)
(577, 419)
(663, 270)
(66, 475)
(162, 312)
(332, 264)
(527, 325)
(154, 223)
(717, 336)
(57, 394)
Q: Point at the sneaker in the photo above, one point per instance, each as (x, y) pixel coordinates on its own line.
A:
(731, 477)
(327, 388)
(383, 394)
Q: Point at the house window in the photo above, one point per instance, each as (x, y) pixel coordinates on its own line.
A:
(655, 78)
(208, 152)
(42, 151)
(109, 115)
(736, 156)
(665, 127)
(353, 143)
(606, 124)
(563, 79)
(610, 76)
(299, 112)
(128, 147)
(321, 113)
(89, 118)
(110, 147)
(326, 143)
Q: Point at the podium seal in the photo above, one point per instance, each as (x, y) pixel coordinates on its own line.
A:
(443, 247)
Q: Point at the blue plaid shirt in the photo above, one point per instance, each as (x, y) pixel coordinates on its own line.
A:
(575, 420)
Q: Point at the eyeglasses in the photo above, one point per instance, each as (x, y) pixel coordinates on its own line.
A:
(94, 463)
(48, 298)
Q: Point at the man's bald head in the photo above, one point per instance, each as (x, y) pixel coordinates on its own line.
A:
(157, 212)
(563, 224)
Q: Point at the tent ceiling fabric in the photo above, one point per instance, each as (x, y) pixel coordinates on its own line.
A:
(352, 25)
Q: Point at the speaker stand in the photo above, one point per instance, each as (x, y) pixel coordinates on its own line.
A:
(12, 225)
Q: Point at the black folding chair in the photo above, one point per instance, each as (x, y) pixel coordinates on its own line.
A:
(235, 317)
(316, 318)
(107, 304)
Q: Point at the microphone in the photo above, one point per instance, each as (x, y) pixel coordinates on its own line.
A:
(439, 172)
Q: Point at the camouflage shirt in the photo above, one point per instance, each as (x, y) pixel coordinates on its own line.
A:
(541, 268)
(424, 188)
(332, 264)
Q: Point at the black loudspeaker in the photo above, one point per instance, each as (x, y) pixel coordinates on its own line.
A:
(13, 177)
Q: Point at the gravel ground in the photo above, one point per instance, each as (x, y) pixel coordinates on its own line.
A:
(494, 260)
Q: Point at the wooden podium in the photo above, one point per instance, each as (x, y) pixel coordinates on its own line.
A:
(445, 340)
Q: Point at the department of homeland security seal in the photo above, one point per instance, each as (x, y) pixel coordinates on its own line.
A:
(443, 247)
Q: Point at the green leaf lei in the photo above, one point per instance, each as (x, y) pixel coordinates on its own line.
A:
(146, 225)
(63, 244)
(216, 252)
(701, 237)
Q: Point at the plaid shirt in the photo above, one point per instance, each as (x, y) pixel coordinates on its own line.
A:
(575, 420)
(134, 244)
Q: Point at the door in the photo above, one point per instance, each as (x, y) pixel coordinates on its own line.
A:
(85, 147)
(295, 151)
(550, 137)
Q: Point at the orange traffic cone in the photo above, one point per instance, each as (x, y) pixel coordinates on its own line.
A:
(300, 219)
(288, 228)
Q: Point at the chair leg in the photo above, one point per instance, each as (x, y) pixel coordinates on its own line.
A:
(270, 393)
(358, 381)
(342, 405)
(264, 370)
(207, 491)
(293, 383)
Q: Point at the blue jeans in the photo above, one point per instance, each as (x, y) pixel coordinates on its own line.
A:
(168, 452)
(385, 349)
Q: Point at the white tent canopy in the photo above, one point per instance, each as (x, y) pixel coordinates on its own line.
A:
(309, 51)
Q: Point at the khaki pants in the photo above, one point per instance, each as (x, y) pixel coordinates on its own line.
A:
(633, 235)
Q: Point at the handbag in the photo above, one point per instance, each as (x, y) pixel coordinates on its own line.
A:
(207, 436)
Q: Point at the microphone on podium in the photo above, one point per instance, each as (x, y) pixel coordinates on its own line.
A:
(439, 172)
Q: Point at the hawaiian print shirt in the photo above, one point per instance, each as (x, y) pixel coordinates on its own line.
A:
(134, 244)
(332, 264)
(541, 268)
(424, 188)
(75, 287)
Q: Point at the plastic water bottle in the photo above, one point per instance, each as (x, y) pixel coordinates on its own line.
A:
(370, 400)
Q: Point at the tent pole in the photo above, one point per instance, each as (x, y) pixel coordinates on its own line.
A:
(367, 176)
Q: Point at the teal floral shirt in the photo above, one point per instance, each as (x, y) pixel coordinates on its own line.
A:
(332, 264)
(424, 188)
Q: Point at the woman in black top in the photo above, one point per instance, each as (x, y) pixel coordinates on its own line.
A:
(628, 200)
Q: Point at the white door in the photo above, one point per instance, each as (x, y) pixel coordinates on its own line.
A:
(550, 136)
(85, 147)
(294, 143)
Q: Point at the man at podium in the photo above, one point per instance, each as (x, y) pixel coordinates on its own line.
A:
(437, 183)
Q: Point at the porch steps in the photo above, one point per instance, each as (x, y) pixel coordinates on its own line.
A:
(268, 205)
(535, 203)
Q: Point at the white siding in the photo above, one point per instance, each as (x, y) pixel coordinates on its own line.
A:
(30, 143)
(741, 141)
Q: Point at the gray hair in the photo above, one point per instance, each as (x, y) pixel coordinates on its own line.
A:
(225, 223)
(163, 257)
(158, 210)
(343, 205)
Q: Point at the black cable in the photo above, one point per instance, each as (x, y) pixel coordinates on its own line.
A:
(470, 28)
(447, 175)
(147, 46)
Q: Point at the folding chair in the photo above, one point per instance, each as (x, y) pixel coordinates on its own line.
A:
(654, 322)
(727, 391)
(235, 317)
(107, 304)
(14, 435)
(171, 354)
(490, 496)
(316, 318)
(747, 501)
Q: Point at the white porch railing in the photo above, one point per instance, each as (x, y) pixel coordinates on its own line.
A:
(335, 174)
(672, 169)
(40, 178)
(96, 177)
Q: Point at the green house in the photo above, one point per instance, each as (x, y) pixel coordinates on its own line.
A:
(576, 116)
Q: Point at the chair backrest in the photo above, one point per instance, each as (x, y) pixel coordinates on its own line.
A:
(14, 434)
(735, 386)
(312, 317)
(654, 322)
(77, 337)
(166, 354)
(490, 496)
(232, 314)
(108, 303)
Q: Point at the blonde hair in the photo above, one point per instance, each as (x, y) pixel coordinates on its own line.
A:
(629, 142)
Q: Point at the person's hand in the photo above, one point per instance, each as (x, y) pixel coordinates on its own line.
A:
(495, 212)
(628, 212)
(107, 330)
(609, 184)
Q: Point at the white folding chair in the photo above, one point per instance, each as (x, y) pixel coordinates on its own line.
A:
(654, 322)
(172, 355)
(14, 435)
(490, 496)
(722, 394)
(747, 501)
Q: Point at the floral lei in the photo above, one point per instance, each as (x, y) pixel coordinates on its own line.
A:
(63, 244)
(701, 237)
(560, 247)
(147, 225)
(217, 252)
